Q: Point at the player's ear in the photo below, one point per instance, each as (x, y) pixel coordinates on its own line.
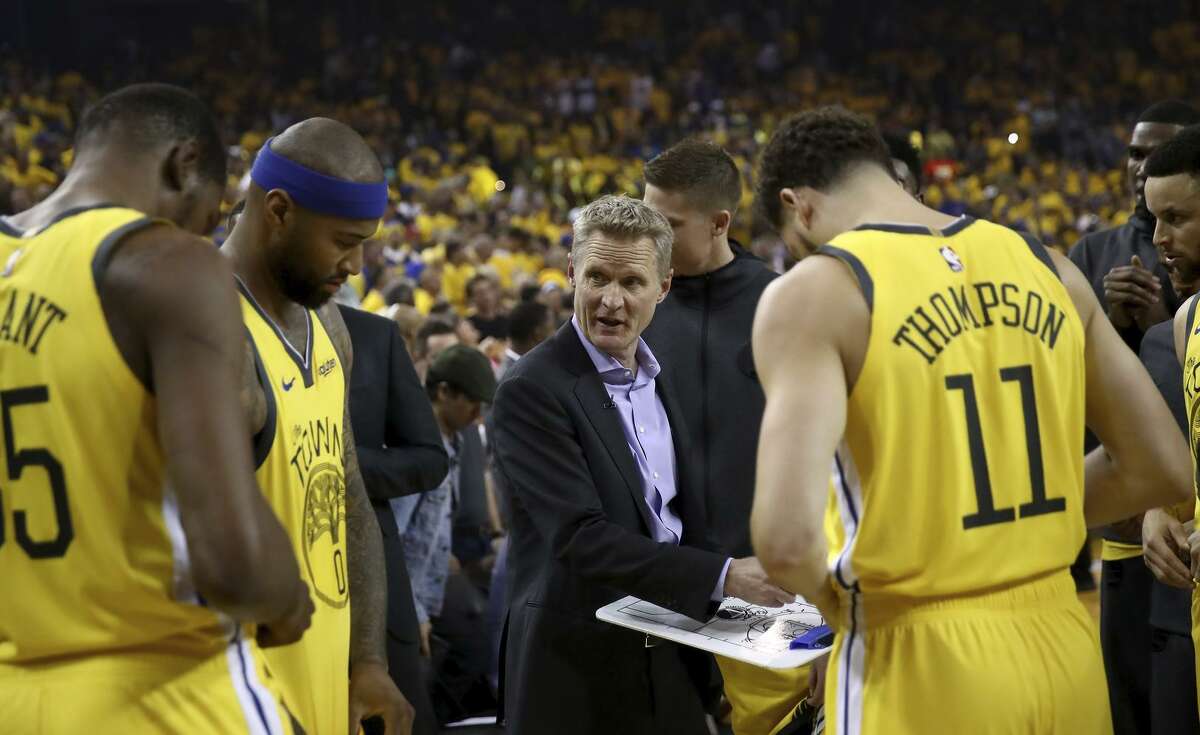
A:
(180, 167)
(277, 203)
(721, 222)
(798, 204)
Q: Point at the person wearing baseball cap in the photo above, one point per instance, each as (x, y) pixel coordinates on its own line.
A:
(464, 371)
(458, 382)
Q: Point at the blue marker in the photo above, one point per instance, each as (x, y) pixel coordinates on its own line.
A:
(818, 637)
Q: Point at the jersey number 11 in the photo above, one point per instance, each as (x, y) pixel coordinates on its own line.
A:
(987, 513)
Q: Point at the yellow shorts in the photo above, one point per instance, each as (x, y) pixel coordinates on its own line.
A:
(1025, 659)
(762, 699)
(130, 694)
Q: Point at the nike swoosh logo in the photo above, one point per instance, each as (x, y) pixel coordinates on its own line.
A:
(1197, 331)
(287, 384)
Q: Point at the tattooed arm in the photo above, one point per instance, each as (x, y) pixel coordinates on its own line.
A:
(364, 544)
(372, 691)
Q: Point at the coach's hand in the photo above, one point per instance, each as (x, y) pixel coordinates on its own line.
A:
(374, 694)
(1166, 548)
(290, 627)
(747, 579)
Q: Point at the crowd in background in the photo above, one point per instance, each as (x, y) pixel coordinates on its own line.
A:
(1015, 119)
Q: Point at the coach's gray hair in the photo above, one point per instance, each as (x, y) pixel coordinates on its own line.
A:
(624, 218)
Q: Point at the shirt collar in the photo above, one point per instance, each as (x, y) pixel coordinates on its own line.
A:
(451, 445)
(607, 365)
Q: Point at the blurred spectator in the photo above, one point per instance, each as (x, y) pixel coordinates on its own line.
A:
(484, 296)
(523, 126)
(456, 273)
(432, 338)
(530, 324)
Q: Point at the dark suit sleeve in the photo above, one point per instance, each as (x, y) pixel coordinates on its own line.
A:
(1158, 355)
(414, 460)
(538, 452)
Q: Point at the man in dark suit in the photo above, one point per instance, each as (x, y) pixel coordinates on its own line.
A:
(400, 452)
(603, 503)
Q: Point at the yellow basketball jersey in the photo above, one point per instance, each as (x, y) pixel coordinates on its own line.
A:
(10, 240)
(961, 467)
(302, 472)
(1191, 392)
(93, 559)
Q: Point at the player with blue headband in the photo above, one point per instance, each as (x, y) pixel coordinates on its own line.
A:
(317, 192)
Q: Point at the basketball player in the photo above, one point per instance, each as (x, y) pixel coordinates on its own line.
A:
(943, 367)
(317, 191)
(131, 530)
(1173, 196)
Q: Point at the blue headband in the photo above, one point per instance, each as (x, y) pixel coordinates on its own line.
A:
(316, 191)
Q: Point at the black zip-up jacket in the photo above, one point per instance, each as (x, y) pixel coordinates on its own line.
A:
(1098, 253)
(701, 337)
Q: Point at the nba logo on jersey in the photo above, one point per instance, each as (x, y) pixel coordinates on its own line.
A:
(952, 259)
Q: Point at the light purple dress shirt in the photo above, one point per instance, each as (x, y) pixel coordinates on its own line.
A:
(648, 434)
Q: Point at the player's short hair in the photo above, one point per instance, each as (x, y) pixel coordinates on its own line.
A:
(700, 170)
(1179, 155)
(145, 115)
(526, 318)
(625, 218)
(329, 147)
(1170, 112)
(814, 149)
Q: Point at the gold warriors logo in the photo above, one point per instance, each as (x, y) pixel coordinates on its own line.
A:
(319, 463)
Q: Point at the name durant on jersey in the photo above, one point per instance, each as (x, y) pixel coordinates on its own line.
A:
(25, 318)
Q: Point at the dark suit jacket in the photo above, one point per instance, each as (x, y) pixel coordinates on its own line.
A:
(580, 539)
(399, 444)
(471, 538)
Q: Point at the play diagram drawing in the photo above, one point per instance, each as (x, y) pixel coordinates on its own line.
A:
(751, 633)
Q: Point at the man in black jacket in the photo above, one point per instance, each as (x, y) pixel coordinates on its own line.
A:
(1171, 193)
(1122, 263)
(603, 503)
(701, 332)
(1134, 287)
(400, 452)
